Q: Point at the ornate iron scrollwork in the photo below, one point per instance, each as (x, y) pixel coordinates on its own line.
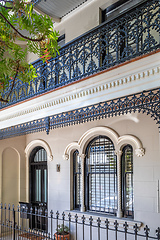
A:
(145, 102)
(130, 35)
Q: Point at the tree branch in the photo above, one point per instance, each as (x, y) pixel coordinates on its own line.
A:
(13, 83)
(20, 34)
(10, 8)
(5, 44)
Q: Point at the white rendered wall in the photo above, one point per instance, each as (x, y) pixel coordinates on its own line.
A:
(82, 19)
(146, 168)
(12, 160)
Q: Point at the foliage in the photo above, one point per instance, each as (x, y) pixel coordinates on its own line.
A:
(62, 229)
(18, 21)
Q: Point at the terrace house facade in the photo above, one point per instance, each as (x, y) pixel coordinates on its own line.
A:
(84, 136)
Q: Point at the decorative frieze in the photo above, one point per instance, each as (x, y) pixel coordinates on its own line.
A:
(145, 102)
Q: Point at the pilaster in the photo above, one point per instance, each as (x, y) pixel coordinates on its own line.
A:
(82, 156)
(119, 194)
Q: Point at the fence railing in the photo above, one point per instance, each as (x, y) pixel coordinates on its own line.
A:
(132, 34)
(33, 223)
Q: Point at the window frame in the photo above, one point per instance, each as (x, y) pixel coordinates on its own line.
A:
(89, 173)
(123, 182)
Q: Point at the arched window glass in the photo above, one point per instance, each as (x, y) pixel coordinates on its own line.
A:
(127, 181)
(77, 179)
(101, 176)
(40, 156)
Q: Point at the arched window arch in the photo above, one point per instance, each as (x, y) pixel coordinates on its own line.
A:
(127, 181)
(101, 175)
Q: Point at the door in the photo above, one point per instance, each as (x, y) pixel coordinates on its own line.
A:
(38, 188)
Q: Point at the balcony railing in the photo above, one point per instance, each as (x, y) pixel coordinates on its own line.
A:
(24, 223)
(130, 35)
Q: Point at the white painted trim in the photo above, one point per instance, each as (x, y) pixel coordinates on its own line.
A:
(118, 141)
(28, 150)
(41, 143)
(94, 132)
(70, 149)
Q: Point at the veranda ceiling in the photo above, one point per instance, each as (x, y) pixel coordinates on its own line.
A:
(57, 8)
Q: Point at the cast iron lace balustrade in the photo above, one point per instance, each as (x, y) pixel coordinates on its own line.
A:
(144, 102)
(132, 34)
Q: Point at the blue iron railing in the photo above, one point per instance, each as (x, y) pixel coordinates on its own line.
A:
(132, 34)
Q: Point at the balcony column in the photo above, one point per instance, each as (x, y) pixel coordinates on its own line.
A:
(82, 156)
(119, 197)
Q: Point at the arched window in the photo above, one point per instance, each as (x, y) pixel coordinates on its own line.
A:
(127, 181)
(77, 180)
(101, 176)
(103, 172)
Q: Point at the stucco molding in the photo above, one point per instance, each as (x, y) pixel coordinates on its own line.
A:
(118, 141)
(134, 141)
(70, 149)
(41, 143)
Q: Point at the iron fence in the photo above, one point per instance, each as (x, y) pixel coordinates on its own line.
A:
(132, 34)
(18, 224)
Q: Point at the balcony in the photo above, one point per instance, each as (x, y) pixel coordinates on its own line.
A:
(131, 35)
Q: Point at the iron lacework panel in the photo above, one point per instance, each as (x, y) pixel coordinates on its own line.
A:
(145, 102)
(132, 34)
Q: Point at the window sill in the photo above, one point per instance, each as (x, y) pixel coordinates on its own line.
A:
(103, 216)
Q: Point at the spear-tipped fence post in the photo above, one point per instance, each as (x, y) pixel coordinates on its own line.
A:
(76, 220)
(90, 223)
(125, 229)
(63, 218)
(14, 224)
(99, 224)
(51, 215)
(146, 231)
(107, 226)
(83, 222)
(158, 233)
(69, 218)
(116, 228)
(135, 230)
